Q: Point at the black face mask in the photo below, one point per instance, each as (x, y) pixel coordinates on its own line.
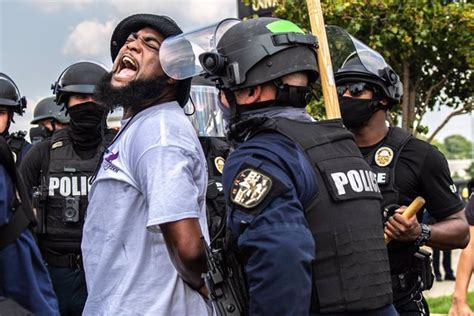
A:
(86, 121)
(357, 112)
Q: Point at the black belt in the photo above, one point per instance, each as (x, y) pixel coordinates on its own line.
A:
(63, 261)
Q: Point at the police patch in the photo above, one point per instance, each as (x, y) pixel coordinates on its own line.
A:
(219, 163)
(383, 156)
(250, 188)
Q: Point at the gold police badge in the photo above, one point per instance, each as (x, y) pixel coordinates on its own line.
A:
(249, 188)
(219, 163)
(383, 156)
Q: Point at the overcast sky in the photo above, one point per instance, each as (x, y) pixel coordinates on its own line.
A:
(40, 38)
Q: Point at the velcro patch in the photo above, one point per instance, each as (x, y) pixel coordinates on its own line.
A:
(57, 145)
(249, 188)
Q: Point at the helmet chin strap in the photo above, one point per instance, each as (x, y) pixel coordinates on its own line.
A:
(295, 96)
(233, 106)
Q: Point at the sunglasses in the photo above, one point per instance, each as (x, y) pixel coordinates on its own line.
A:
(355, 89)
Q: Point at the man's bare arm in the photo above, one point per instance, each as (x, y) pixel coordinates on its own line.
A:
(187, 251)
(463, 276)
(448, 233)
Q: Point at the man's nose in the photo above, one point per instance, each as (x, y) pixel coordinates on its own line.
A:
(134, 45)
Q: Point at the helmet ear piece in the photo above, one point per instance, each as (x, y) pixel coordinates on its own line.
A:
(389, 75)
(213, 62)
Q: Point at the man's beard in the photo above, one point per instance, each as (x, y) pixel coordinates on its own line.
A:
(133, 97)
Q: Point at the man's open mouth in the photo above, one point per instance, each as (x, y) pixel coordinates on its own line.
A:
(128, 67)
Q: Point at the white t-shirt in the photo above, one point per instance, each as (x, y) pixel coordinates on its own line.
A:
(154, 173)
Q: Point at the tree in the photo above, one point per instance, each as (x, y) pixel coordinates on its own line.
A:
(427, 42)
(441, 147)
(470, 171)
(457, 147)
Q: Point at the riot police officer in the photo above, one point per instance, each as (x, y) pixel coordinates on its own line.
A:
(23, 276)
(303, 206)
(405, 166)
(61, 168)
(50, 117)
(12, 102)
(207, 119)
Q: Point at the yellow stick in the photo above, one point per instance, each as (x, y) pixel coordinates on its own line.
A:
(409, 212)
(331, 101)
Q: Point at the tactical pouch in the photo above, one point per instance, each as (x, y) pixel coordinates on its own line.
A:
(422, 265)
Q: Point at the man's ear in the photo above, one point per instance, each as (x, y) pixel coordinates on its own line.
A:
(170, 81)
(385, 104)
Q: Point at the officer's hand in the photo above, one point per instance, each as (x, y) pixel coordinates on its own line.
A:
(399, 228)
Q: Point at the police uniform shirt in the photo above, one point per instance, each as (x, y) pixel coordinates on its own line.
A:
(267, 180)
(35, 161)
(421, 170)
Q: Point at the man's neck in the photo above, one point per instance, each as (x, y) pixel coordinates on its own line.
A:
(373, 132)
(131, 111)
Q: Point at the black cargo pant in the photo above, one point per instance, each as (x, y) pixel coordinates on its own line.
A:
(70, 287)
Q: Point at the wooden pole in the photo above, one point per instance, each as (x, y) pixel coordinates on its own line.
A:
(409, 212)
(331, 101)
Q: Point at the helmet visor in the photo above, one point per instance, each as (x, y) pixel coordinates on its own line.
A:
(179, 55)
(347, 50)
(207, 118)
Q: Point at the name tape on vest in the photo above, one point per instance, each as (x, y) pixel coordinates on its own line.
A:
(355, 181)
(69, 186)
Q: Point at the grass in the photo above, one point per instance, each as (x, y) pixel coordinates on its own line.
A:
(441, 305)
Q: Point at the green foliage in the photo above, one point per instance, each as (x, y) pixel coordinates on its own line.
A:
(457, 147)
(428, 42)
(441, 305)
(470, 171)
(440, 147)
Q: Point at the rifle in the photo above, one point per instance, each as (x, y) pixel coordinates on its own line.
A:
(226, 285)
(37, 201)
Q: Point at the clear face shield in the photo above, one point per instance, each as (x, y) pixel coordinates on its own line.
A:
(347, 50)
(207, 118)
(179, 55)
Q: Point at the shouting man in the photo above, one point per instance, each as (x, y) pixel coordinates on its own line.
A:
(142, 248)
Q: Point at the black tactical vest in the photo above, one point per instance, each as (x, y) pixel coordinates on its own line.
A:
(351, 271)
(400, 253)
(383, 163)
(216, 151)
(68, 186)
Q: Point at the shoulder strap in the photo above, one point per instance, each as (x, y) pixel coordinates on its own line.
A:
(397, 138)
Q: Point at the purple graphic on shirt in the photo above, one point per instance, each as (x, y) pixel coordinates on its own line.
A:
(111, 157)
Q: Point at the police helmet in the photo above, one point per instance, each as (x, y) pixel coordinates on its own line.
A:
(260, 50)
(354, 61)
(162, 24)
(48, 109)
(203, 107)
(79, 78)
(10, 95)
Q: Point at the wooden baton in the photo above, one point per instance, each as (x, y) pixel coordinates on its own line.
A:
(409, 212)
